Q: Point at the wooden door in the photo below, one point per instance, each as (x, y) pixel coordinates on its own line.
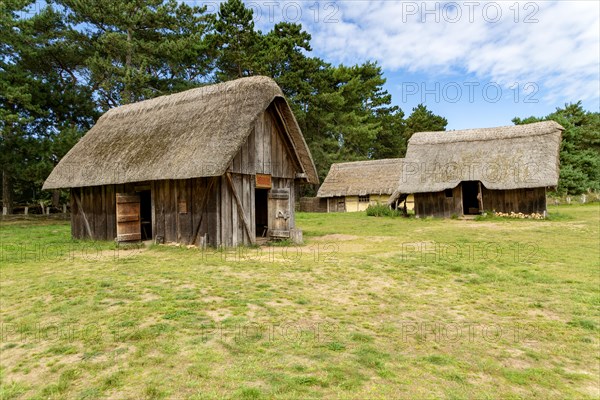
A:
(341, 204)
(129, 226)
(279, 213)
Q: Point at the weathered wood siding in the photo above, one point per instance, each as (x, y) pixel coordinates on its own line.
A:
(312, 204)
(526, 201)
(336, 204)
(97, 206)
(436, 204)
(203, 209)
(273, 149)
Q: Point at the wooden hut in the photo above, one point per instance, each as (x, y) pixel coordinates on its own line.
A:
(216, 165)
(352, 186)
(465, 172)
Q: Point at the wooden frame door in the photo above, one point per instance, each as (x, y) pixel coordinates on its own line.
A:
(279, 213)
(129, 227)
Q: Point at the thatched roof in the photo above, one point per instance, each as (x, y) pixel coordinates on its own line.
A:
(507, 157)
(360, 178)
(191, 134)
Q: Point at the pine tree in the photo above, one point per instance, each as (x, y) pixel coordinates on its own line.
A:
(138, 49)
(236, 41)
(579, 150)
(423, 120)
(45, 107)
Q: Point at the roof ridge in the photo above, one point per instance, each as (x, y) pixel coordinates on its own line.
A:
(188, 96)
(535, 129)
(378, 161)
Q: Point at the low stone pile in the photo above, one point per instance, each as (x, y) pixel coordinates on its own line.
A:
(519, 215)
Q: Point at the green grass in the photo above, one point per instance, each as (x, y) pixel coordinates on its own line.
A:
(368, 308)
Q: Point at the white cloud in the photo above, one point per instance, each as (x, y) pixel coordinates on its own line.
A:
(559, 52)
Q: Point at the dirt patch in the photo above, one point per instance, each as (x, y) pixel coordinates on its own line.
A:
(280, 303)
(253, 310)
(148, 296)
(218, 315)
(187, 286)
(380, 239)
(545, 314)
(212, 299)
(592, 390)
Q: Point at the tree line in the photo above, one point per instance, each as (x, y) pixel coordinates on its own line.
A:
(64, 65)
(579, 149)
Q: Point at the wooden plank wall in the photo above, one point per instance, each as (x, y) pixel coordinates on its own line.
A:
(262, 132)
(232, 230)
(206, 206)
(247, 159)
(267, 151)
(436, 204)
(180, 210)
(313, 204)
(274, 154)
(99, 207)
(336, 204)
(282, 155)
(76, 223)
(526, 201)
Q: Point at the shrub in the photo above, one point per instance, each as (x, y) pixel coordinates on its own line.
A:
(382, 210)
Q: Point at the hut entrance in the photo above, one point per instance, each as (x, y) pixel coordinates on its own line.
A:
(471, 195)
(128, 217)
(279, 213)
(261, 212)
(146, 214)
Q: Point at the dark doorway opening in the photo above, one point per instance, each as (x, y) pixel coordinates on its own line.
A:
(146, 214)
(261, 212)
(470, 191)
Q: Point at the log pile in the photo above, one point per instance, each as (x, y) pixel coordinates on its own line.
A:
(519, 215)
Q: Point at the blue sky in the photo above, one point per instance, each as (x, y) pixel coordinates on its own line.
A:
(477, 63)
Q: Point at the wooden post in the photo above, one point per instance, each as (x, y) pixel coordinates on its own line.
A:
(64, 208)
(480, 197)
(85, 220)
(26, 210)
(240, 209)
(296, 236)
(48, 210)
(4, 210)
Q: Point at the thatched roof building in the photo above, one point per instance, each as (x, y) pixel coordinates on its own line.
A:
(361, 178)
(361, 182)
(508, 158)
(192, 134)
(214, 165)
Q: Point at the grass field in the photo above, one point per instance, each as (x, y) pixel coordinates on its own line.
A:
(368, 308)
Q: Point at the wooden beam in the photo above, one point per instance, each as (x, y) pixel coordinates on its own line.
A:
(480, 197)
(85, 220)
(240, 209)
